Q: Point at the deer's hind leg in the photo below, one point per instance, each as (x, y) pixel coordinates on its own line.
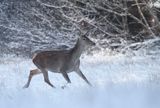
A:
(31, 74)
(46, 78)
(79, 72)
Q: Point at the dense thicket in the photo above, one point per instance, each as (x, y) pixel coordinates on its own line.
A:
(27, 26)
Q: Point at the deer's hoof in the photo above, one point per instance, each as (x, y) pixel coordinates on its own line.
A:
(63, 87)
(25, 86)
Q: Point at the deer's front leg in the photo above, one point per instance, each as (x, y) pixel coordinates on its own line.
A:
(79, 72)
(66, 77)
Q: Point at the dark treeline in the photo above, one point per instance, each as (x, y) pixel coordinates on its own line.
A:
(27, 26)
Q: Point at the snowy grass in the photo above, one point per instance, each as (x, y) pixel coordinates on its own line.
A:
(118, 81)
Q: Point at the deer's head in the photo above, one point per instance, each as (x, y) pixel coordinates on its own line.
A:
(86, 41)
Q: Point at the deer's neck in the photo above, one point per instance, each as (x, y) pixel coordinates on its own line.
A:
(77, 51)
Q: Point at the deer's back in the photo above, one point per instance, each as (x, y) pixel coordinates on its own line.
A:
(52, 60)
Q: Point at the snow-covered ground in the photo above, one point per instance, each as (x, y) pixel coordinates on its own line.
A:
(119, 81)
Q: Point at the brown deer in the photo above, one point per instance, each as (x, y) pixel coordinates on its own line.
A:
(63, 61)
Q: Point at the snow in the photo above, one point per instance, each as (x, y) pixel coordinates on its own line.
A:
(119, 81)
(157, 3)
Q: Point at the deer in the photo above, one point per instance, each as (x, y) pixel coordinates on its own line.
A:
(60, 61)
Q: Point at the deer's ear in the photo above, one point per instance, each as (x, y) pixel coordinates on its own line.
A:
(85, 34)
